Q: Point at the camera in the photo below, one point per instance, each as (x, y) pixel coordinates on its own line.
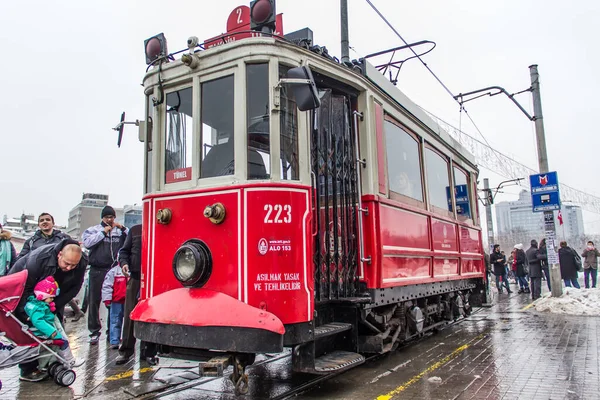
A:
(192, 42)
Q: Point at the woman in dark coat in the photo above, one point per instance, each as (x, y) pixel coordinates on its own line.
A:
(520, 264)
(568, 267)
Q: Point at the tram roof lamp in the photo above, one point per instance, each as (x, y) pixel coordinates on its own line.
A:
(262, 15)
(155, 47)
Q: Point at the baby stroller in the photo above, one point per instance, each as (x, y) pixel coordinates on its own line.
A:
(18, 344)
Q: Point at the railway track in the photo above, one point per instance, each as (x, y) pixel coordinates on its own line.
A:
(302, 387)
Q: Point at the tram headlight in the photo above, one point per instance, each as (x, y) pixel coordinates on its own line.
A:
(192, 263)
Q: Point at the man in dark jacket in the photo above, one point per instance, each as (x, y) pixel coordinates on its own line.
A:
(544, 261)
(521, 268)
(45, 235)
(66, 263)
(535, 269)
(130, 259)
(103, 241)
(498, 261)
(48, 235)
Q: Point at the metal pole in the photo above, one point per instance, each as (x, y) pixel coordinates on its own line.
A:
(490, 236)
(488, 216)
(550, 228)
(344, 33)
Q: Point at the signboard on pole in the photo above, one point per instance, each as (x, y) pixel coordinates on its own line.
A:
(461, 196)
(545, 194)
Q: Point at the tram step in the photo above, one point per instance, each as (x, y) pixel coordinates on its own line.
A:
(337, 361)
(332, 328)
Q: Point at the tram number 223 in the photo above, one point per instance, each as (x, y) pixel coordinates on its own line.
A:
(278, 214)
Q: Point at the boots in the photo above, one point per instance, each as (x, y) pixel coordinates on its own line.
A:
(68, 356)
(527, 290)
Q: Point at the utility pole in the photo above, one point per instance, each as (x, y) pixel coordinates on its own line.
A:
(344, 31)
(549, 226)
(490, 235)
(488, 215)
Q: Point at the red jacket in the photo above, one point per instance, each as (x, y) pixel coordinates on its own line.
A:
(114, 286)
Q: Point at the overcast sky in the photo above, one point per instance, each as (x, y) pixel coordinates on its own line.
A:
(71, 67)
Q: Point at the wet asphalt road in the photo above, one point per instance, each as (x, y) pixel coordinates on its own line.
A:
(508, 351)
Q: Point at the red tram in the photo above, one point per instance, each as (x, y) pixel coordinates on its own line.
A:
(294, 201)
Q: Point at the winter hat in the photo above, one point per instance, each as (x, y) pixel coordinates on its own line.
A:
(107, 210)
(519, 246)
(46, 288)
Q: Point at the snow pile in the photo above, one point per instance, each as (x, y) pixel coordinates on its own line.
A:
(573, 302)
(435, 379)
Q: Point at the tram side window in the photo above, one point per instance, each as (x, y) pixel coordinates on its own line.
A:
(403, 162)
(217, 128)
(461, 193)
(437, 179)
(288, 126)
(257, 111)
(178, 143)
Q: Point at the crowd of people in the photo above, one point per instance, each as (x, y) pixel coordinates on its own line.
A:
(529, 268)
(57, 266)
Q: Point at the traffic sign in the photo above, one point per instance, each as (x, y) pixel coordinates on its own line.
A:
(545, 193)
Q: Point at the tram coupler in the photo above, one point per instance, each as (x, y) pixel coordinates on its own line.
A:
(215, 366)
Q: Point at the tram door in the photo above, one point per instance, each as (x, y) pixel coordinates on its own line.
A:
(333, 156)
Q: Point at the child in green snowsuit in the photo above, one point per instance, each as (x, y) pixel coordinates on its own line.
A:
(40, 308)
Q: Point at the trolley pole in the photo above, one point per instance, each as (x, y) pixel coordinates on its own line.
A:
(549, 225)
(344, 32)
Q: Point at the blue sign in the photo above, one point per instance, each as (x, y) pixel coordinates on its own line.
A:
(461, 195)
(545, 194)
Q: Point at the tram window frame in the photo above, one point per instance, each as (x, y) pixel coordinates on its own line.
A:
(148, 145)
(457, 169)
(189, 132)
(204, 80)
(258, 148)
(394, 195)
(287, 105)
(436, 207)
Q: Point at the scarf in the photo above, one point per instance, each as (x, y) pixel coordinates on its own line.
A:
(5, 256)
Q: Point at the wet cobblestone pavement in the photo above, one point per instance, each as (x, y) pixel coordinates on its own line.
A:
(508, 351)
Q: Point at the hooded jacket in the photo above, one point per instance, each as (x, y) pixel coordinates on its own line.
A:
(130, 253)
(40, 239)
(568, 267)
(7, 252)
(114, 286)
(41, 318)
(103, 247)
(43, 262)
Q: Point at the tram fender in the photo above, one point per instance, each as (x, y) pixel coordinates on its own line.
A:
(205, 319)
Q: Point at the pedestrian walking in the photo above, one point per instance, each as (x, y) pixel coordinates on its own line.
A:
(46, 234)
(103, 242)
(521, 268)
(113, 296)
(130, 260)
(590, 264)
(498, 261)
(535, 269)
(8, 253)
(544, 261)
(568, 260)
(65, 262)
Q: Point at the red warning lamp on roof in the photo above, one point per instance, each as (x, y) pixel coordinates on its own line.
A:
(262, 15)
(155, 48)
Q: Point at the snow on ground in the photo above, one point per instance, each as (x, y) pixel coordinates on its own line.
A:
(573, 302)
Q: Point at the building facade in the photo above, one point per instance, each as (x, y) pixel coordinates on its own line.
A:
(517, 223)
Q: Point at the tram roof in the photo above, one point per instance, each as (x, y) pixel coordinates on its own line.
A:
(372, 75)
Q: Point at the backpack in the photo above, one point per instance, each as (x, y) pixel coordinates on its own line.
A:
(577, 260)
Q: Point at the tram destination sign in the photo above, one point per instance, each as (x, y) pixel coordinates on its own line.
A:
(545, 193)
